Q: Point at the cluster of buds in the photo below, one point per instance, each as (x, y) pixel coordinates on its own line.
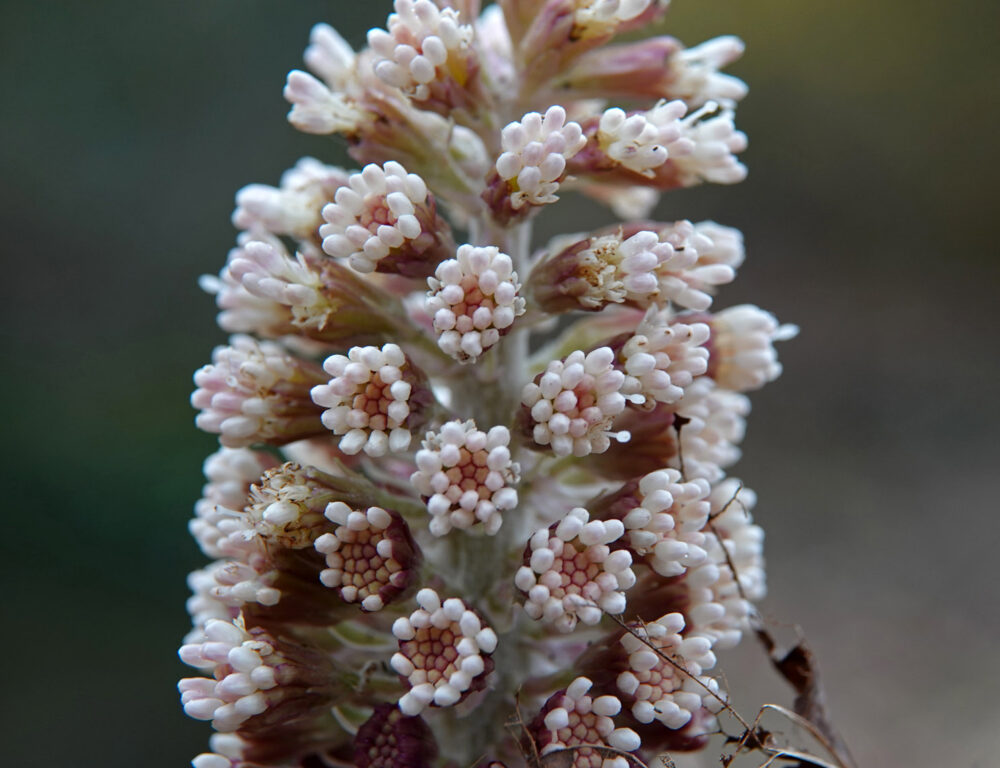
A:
(460, 477)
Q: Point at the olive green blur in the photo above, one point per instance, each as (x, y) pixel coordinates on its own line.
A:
(870, 216)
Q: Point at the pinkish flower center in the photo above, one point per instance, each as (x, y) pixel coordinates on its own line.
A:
(433, 652)
(374, 400)
(363, 567)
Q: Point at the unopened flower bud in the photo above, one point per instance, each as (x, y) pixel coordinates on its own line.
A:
(390, 739)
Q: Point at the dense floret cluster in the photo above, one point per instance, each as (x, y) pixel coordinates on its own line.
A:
(463, 474)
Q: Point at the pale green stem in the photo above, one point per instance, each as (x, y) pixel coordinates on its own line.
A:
(482, 565)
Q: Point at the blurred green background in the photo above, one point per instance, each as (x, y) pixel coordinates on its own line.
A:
(871, 221)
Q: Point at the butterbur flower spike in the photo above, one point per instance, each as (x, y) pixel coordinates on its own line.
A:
(466, 476)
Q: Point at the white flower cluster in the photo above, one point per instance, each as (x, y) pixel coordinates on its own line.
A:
(367, 400)
(658, 689)
(248, 578)
(574, 717)
(293, 207)
(467, 477)
(643, 141)
(571, 573)
(245, 669)
(663, 357)
(574, 401)
(715, 140)
(230, 472)
(667, 524)
(362, 561)
(743, 356)
(255, 392)
(374, 215)
(473, 300)
(317, 109)
(708, 256)
(443, 651)
(717, 424)
(721, 600)
(415, 50)
(535, 151)
(621, 270)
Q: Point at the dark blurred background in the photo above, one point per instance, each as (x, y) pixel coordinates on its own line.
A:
(871, 221)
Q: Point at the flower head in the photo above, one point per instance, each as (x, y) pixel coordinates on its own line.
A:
(571, 405)
(255, 392)
(572, 717)
(368, 400)
(385, 220)
(371, 557)
(657, 689)
(473, 300)
(466, 477)
(444, 652)
(570, 572)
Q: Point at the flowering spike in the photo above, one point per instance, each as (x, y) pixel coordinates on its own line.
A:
(579, 405)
